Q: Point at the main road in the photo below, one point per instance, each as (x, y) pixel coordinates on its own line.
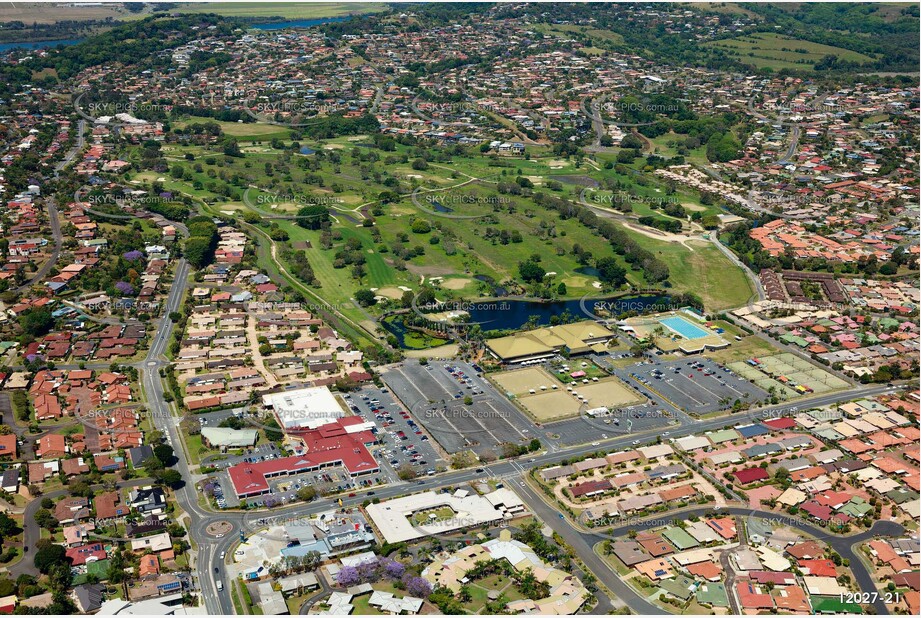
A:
(167, 423)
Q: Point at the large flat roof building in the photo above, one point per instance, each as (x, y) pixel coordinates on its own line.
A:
(577, 338)
(305, 408)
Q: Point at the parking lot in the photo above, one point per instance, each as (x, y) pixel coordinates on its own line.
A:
(403, 441)
(696, 385)
(617, 422)
(436, 394)
(213, 419)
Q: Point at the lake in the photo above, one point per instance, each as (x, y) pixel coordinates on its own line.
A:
(513, 314)
(5, 47)
(279, 25)
(298, 23)
(509, 314)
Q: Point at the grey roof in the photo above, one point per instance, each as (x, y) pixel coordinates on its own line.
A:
(89, 597)
(796, 463)
(139, 454)
(666, 471)
(795, 441)
(760, 450)
(629, 552)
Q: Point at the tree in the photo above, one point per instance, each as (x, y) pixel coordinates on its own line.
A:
(312, 216)
(531, 271)
(307, 493)
(45, 519)
(164, 452)
(421, 226)
(198, 251)
(36, 322)
(8, 526)
(231, 148)
(610, 272)
(48, 556)
(631, 141)
(365, 298)
(406, 473)
(169, 478)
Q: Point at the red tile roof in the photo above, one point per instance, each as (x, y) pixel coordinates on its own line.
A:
(750, 475)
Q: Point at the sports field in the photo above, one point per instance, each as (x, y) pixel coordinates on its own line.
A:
(609, 392)
(520, 381)
(553, 405)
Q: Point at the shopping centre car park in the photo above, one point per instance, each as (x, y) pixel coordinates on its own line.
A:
(615, 423)
(697, 385)
(435, 397)
(378, 406)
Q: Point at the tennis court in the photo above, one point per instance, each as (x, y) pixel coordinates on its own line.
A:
(790, 375)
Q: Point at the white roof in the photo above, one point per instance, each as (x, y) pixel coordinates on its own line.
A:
(156, 542)
(727, 457)
(150, 607)
(305, 407)
(513, 551)
(359, 559)
(692, 443)
(772, 560)
(392, 517)
(229, 437)
(656, 450)
(504, 497)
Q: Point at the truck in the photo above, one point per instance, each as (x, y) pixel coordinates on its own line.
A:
(220, 585)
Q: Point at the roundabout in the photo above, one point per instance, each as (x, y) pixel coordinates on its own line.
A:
(218, 529)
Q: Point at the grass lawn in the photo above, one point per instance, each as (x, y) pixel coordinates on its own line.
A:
(197, 448)
(567, 30)
(294, 602)
(591, 371)
(244, 131)
(479, 591)
(441, 514)
(750, 346)
(363, 608)
(777, 51)
(705, 271)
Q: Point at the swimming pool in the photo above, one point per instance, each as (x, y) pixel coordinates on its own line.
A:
(684, 328)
